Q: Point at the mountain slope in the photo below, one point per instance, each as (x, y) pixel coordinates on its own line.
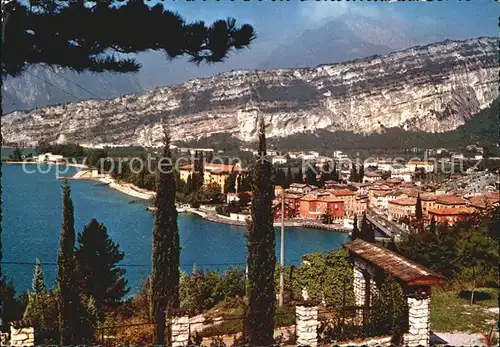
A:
(433, 88)
(41, 86)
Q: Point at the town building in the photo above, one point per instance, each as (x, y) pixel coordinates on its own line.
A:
(349, 199)
(289, 211)
(301, 188)
(450, 201)
(400, 208)
(213, 173)
(372, 176)
(428, 202)
(414, 164)
(279, 160)
(313, 207)
(50, 158)
(406, 176)
(451, 216)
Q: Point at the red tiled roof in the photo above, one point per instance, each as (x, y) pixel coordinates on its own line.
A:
(341, 192)
(330, 198)
(309, 198)
(394, 264)
(450, 200)
(461, 211)
(404, 202)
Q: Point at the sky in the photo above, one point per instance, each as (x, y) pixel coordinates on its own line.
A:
(281, 22)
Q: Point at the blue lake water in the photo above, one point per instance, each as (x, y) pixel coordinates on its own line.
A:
(32, 217)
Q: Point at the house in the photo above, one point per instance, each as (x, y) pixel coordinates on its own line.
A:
(279, 160)
(339, 155)
(484, 201)
(406, 176)
(349, 199)
(428, 202)
(313, 207)
(414, 164)
(278, 191)
(289, 211)
(372, 176)
(300, 188)
(450, 201)
(400, 208)
(212, 173)
(50, 158)
(451, 216)
(293, 201)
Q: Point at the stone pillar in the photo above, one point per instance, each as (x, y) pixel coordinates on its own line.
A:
(359, 286)
(419, 319)
(307, 325)
(22, 336)
(180, 331)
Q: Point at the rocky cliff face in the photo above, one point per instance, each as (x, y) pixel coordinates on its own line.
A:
(433, 88)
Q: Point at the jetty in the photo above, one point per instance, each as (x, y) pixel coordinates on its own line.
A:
(329, 227)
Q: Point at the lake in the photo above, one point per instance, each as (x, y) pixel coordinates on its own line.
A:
(32, 218)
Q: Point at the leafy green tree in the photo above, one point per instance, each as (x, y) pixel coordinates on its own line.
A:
(12, 306)
(325, 278)
(212, 192)
(389, 312)
(432, 225)
(327, 217)
(95, 156)
(261, 253)
(166, 249)
(67, 290)
(16, 154)
(97, 257)
(41, 310)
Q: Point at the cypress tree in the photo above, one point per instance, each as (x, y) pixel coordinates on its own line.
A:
(432, 226)
(166, 251)
(261, 254)
(299, 176)
(38, 283)
(68, 296)
(311, 177)
(418, 208)
(355, 231)
(288, 178)
(361, 174)
(354, 173)
(367, 232)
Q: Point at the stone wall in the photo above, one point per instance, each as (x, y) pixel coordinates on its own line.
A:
(180, 331)
(419, 319)
(306, 319)
(22, 336)
(359, 287)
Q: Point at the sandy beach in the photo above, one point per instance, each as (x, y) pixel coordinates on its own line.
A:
(126, 188)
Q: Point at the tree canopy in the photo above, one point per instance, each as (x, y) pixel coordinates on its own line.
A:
(58, 33)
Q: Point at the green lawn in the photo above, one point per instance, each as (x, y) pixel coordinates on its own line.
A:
(451, 310)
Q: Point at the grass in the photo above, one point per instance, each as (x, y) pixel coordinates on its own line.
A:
(451, 310)
(233, 322)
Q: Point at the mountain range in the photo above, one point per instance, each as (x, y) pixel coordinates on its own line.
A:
(432, 88)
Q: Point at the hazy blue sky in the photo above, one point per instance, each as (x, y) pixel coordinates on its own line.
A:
(280, 23)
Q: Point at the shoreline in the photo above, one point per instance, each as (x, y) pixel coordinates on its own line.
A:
(136, 192)
(82, 166)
